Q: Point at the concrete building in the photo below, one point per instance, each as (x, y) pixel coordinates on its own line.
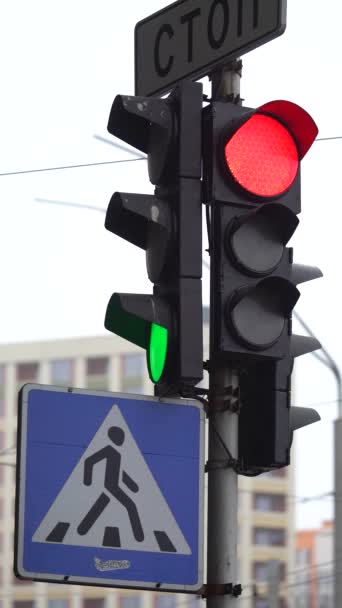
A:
(313, 584)
(266, 510)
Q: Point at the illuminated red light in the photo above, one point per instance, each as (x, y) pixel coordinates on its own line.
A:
(262, 156)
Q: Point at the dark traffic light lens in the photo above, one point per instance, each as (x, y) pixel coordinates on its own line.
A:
(256, 241)
(157, 351)
(257, 314)
(262, 156)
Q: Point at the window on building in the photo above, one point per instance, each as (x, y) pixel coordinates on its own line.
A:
(261, 570)
(97, 373)
(2, 440)
(23, 604)
(132, 373)
(269, 502)
(195, 601)
(326, 600)
(2, 390)
(303, 557)
(130, 601)
(274, 537)
(261, 603)
(58, 603)
(302, 598)
(165, 601)
(62, 372)
(94, 602)
(27, 372)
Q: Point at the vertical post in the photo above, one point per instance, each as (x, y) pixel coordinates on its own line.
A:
(222, 492)
(223, 440)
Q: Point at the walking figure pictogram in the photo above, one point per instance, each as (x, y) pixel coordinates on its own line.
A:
(112, 481)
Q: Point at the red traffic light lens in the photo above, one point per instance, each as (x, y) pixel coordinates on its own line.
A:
(262, 156)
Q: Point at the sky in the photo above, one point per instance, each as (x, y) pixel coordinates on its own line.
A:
(62, 63)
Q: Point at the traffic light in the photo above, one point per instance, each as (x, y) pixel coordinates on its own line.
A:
(252, 184)
(168, 226)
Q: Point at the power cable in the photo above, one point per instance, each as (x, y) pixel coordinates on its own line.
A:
(291, 586)
(118, 145)
(328, 138)
(108, 162)
(67, 204)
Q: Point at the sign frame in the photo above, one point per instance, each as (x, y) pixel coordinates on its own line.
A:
(174, 29)
(152, 403)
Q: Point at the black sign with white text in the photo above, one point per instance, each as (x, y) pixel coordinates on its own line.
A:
(191, 38)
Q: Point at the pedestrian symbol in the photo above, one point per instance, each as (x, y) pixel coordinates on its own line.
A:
(112, 485)
(111, 499)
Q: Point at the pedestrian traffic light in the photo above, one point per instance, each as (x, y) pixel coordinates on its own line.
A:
(168, 226)
(252, 185)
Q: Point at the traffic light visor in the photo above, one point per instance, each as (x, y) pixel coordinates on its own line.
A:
(262, 156)
(127, 316)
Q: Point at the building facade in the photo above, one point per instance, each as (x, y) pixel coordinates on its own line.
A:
(266, 509)
(314, 584)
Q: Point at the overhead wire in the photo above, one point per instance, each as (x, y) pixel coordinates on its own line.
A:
(110, 162)
(79, 166)
(67, 204)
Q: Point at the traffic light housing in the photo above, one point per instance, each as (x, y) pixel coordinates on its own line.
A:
(168, 226)
(252, 185)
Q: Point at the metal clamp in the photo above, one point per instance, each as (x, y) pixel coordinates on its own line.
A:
(230, 400)
(221, 589)
(228, 463)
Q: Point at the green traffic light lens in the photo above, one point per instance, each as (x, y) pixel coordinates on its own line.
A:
(157, 351)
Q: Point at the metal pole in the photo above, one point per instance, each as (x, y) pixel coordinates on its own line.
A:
(222, 493)
(223, 442)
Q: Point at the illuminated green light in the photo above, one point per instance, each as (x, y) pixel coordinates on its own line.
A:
(157, 351)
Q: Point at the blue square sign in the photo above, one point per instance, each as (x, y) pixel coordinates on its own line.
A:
(109, 489)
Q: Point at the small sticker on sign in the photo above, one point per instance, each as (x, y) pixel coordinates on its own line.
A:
(111, 564)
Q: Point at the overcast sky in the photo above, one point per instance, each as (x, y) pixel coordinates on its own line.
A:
(62, 63)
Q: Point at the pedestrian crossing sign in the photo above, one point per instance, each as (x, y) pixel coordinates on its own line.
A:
(109, 489)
